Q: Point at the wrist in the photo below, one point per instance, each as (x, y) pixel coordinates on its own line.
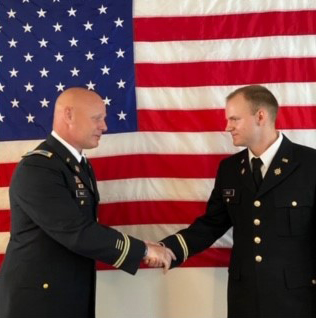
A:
(146, 251)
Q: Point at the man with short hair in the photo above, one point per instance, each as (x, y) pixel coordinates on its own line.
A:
(49, 269)
(267, 194)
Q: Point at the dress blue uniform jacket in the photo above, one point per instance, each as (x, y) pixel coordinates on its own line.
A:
(272, 272)
(49, 268)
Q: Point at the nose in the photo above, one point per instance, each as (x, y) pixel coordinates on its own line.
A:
(103, 126)
(228, 126)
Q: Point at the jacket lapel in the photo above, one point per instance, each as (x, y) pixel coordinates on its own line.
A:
(70, 161)
(245, 171)
(281, 167)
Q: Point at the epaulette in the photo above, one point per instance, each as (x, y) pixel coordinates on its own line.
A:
(45, 153)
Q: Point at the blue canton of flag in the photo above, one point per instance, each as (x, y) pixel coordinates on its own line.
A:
(49, 46)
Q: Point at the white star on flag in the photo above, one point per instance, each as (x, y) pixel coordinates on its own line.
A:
(57, 27)
(11, 14)
(119, 22)
(89, 56)
(29, 87)
(43, 42)
(120, 53)
(88, 26)
(74, 72)
(105, 70)
(15, 103)
(122, 115)
(121, 84)
(27, 27)
(72, 12)
(13, 43)
(44, 102)
(73, 42)
(14, 72)
(102, 9)
(2, 87)
(1, 117)
(104, 39)
(44, 72)
(41, 13)
(30, 118)
(28, 57)
(90, 86)
(107, 101)
(60, 87)
(59, 57)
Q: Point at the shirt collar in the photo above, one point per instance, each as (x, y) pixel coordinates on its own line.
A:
(73, 150)
(269, 154)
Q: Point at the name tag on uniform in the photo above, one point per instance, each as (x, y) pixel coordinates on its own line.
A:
(81, 193)
(228, 193)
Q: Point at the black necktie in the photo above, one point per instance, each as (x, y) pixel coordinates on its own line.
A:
(84, 166)
(256, 171)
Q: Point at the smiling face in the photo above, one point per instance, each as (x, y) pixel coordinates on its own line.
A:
(79, 118)
(87, 121)
(242, 122)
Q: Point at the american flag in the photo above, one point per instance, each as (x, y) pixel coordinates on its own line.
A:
(157, 164)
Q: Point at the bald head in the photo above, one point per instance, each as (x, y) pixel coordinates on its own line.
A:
(79, 117)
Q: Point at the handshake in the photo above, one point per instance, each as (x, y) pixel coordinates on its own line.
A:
(158, 256)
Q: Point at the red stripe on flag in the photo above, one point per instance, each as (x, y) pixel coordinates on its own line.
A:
(5, 220)
(151, 165)
(2, 256)
(137, 212)
(225, 26)
(6, 172)
(212, 257)
(150, 212)
(298, 117)
(226, 73)
(182, 120)
(290, 117)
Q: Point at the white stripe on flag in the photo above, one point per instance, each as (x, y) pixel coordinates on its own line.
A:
(225, 49)
(149, 8)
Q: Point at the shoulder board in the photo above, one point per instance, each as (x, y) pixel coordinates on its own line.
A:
(45, 153)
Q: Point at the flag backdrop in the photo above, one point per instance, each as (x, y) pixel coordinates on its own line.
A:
(163, 69)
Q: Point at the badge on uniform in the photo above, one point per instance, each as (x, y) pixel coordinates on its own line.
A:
(77, 179)
(277, 171)
(81, 193)
(228, 193)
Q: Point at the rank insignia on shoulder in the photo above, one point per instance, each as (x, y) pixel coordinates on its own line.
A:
(44, 153)
(228, 193)
(285, 160)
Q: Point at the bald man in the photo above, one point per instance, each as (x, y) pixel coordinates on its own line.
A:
(49, 269)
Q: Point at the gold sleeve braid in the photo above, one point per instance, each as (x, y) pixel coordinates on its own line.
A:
(125, 251)
(184, 246)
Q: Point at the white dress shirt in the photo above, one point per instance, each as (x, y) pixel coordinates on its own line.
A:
(268, 155)
(73, 150)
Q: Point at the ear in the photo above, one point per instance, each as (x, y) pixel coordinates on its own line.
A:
(261, 116)
(68, 114)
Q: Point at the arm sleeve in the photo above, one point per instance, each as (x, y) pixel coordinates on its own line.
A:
(42, 193)
(204, 231)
